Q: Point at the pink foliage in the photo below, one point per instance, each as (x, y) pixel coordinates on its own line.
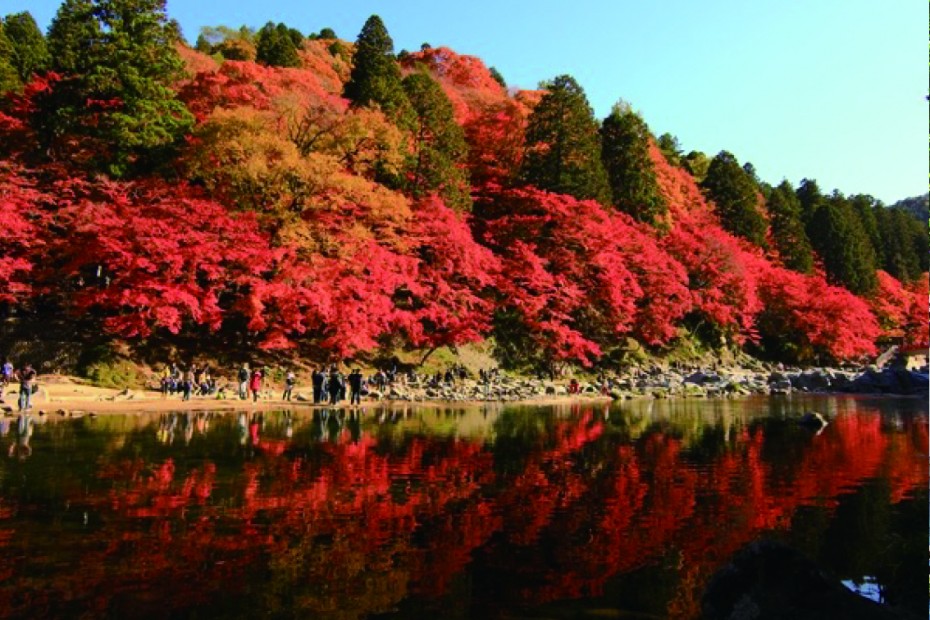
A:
(465, 79)
(818, 318)
(891, 304)
(917, 327)
(246, 83)
(20, 235)
(723, 288)
(150, 257)
(451, 305)
(677, 186)
(581, 276)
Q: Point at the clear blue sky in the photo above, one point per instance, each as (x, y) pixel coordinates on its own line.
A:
(832, 90)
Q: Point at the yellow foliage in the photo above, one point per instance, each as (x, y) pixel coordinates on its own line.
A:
(237, 156)
(362, 140)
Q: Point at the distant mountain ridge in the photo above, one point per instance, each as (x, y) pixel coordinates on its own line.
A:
(918, 206)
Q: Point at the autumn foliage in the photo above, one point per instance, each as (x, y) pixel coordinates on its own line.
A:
(283, 221)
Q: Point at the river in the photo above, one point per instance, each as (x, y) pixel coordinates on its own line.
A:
(478, 512)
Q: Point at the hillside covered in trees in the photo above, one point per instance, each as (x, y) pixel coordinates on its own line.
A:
(330, 198)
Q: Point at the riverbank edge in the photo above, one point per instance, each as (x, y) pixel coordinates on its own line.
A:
(64, 396)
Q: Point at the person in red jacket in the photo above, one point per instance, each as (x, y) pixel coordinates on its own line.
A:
(255, 384)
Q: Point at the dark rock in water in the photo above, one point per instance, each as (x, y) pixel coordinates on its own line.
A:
(777, 376)
(782, 386)
(811, 381)
(768, 580)
(812, 420)
(890, 381)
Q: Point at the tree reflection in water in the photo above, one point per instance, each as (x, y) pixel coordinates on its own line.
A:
(344, 514)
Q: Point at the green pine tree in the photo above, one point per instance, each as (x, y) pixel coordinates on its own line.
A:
(903, 247)
(863, 207)
(670, 148)
(630, 172)
(436, 164)
(811, 199)
(788, 230)
(73, 34)
(563, 147)
(497, 76)
(121, 55)
(276, 46)
(30, 53)
(375, 77)
(843, 246)
(735, 194)
(9, 76)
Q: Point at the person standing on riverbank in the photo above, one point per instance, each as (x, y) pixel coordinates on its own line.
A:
(355, 387)
(188, 382)
(318, 377)
(289, 382)
(6, 375)
(27, 382)
(255, 384)
(336, 385)
(243, 377)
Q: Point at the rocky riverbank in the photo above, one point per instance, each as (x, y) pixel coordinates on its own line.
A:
(668, 383)
(62, 393)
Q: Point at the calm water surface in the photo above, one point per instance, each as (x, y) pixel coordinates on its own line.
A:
(556, 512)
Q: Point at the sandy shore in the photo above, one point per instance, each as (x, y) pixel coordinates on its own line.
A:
(66, 396)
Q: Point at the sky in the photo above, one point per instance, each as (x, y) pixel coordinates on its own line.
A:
(832, 90)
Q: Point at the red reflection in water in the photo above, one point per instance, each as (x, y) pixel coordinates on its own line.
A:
(357, 529)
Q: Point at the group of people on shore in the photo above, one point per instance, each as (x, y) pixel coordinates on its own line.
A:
(330, 385)
(25, 375)
(194, 380)
(201, 380)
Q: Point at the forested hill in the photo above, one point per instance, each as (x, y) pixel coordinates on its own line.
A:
(328, 198)
(918, 206)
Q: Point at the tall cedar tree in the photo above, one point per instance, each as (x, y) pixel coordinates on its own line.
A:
(70, 36)
(276, 46)
(843, 246)
(375, 77)
(625, 154)
(9, 76)
(736, 196)
(497, 76)
(670, 148)
(439, 150)
(30, 54)
(864, 207)
(563, 148)
(121, 62)
(811, 198)
(788, 230)
(904, 248)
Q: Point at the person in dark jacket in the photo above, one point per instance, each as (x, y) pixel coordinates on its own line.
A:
(336, 385)
(318, 377)
(27, 383)
(355, 387)
(243, 377)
